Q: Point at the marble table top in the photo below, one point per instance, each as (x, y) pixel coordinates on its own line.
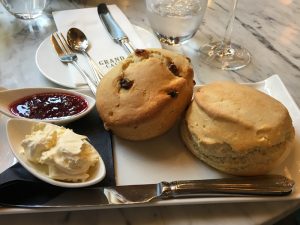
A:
(268, 29)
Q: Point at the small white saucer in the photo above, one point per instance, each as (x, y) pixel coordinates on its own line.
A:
(50, 66)
(7, 97)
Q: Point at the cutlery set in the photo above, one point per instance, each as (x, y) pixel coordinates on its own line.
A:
(66, 55)
(77, 41)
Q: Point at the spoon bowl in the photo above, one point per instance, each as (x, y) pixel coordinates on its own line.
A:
(17, 129)
(8, 97)
(77, 40)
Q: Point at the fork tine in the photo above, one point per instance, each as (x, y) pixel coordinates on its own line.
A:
(65, 43)
(59, 42)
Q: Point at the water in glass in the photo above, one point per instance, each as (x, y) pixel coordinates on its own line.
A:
(175, 21)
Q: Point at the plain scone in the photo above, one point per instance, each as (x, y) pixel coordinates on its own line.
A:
(237, 129)
(144, 95)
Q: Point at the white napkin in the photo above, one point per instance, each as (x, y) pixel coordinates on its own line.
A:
(102, 47)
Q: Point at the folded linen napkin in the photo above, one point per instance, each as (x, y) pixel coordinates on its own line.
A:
(103, 49)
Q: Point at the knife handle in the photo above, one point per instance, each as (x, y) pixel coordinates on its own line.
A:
(126, 45)
(237, 186)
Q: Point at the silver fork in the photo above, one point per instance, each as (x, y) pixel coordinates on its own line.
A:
(67, 56)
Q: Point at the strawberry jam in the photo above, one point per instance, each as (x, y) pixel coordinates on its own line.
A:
(49, 106)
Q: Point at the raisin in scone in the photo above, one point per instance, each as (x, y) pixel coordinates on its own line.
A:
(237, 129)
(144, 95)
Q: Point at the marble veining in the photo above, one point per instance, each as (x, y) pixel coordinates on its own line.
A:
(269, 29)
(241, 214)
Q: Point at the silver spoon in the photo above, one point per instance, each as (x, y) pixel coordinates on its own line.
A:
(79, 42)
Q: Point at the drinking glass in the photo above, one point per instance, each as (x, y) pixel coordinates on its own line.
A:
(224, 54)
(175, 21)
(25, 9)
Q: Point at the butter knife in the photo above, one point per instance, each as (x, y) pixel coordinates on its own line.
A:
(114, 29)
(102, 197)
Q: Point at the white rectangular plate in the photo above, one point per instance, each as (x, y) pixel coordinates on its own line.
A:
(166, 158)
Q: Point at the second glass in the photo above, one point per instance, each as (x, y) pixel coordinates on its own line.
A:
(224, 54)
(175, 21)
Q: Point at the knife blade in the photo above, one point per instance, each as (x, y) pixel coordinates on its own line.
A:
(101, 197)
(113, 28)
